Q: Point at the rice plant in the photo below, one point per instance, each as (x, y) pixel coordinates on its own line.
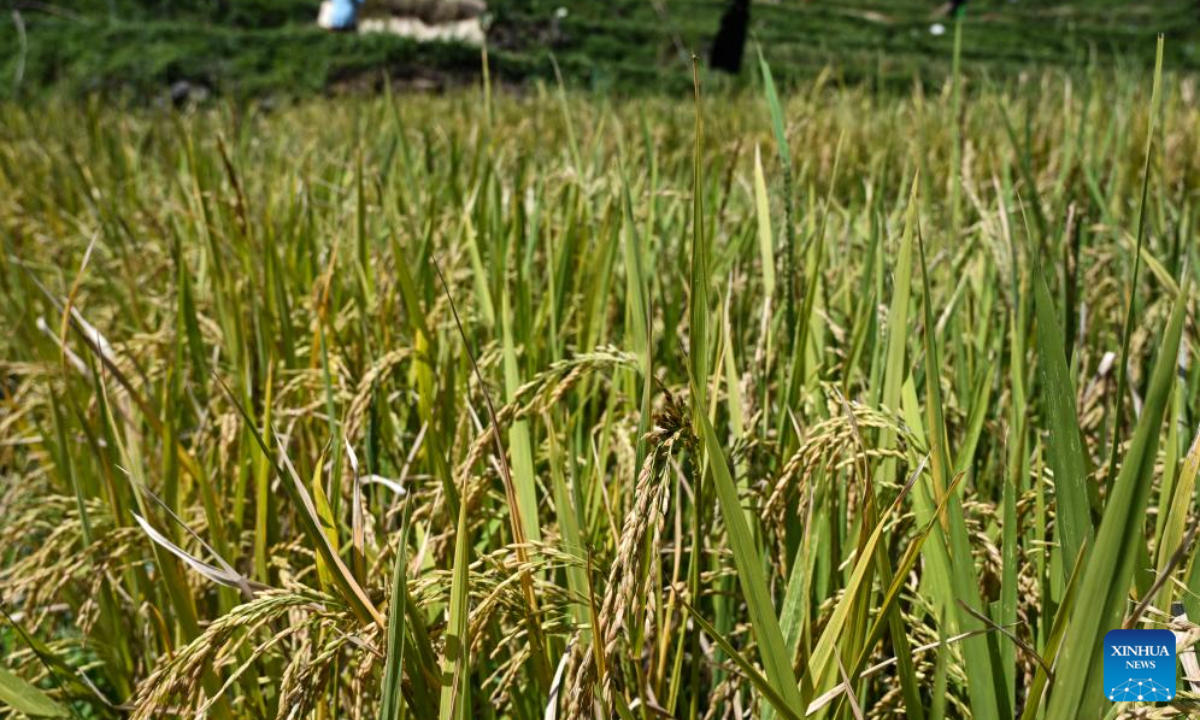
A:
(803, 402)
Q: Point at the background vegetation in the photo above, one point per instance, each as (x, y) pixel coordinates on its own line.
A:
(139, 48)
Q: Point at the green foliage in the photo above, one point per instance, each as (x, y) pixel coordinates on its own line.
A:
(257, 48)
(19, 695)
(628, 42)
(141, 60)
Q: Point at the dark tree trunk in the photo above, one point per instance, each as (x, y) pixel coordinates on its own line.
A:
(730, 41)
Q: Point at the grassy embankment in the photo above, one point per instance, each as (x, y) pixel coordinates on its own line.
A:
(137, 49)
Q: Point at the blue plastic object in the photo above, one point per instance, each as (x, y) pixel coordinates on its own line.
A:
(345, 14)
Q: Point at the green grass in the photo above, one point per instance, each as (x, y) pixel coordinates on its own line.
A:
(623, 42)
(800, 402)
(136, 49)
